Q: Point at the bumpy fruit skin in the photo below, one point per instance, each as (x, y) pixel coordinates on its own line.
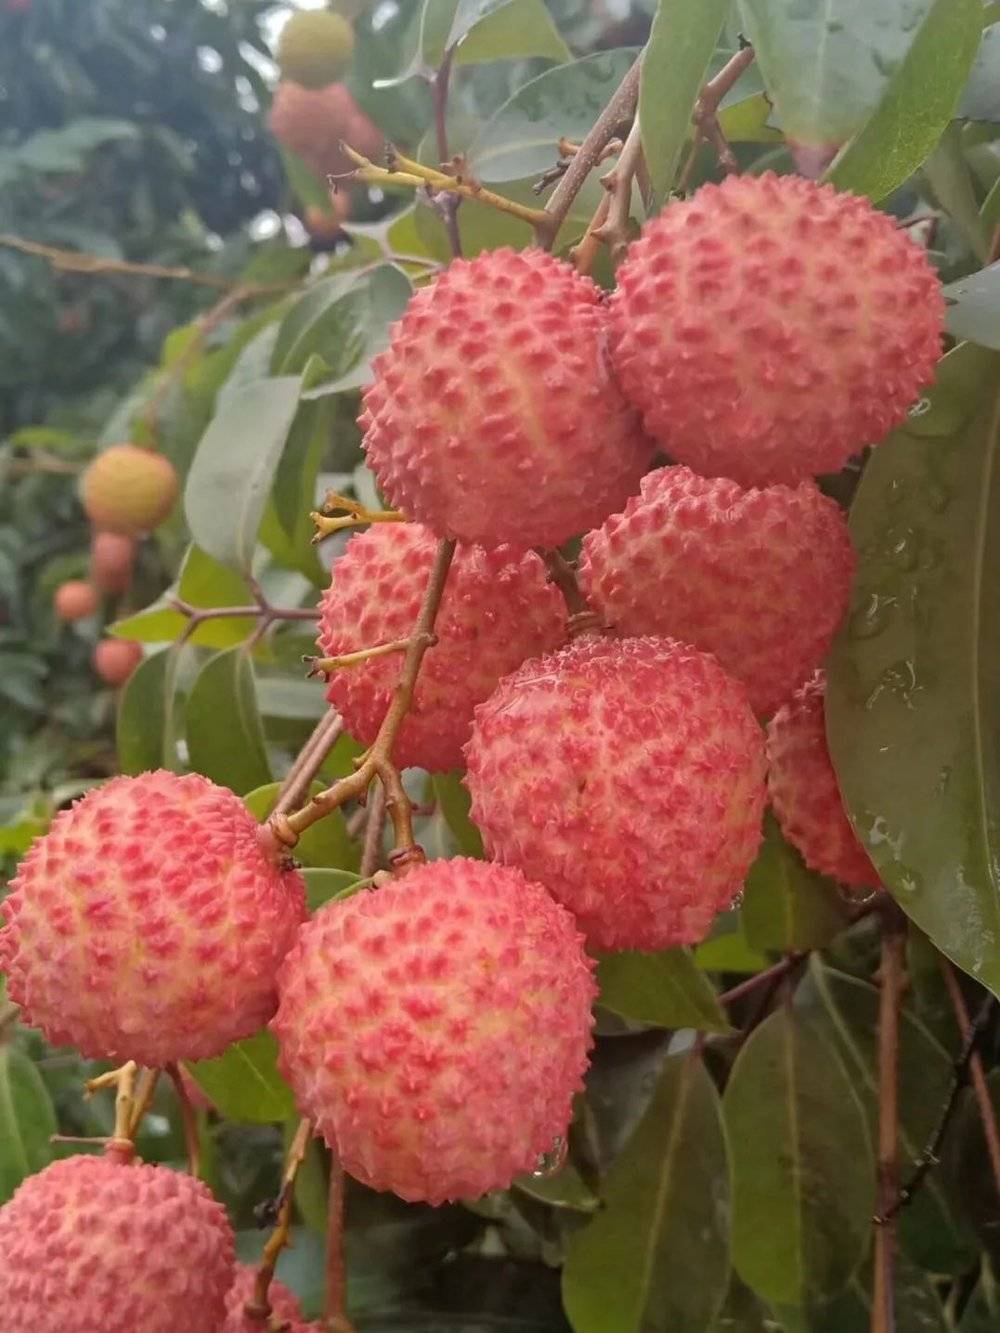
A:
(114, 660)
(492, 417)
(149, 922)
(129, 490)
(627, 776)
(91, 1244)
(760, 578)
(768, 328)
(315, 48)
(112, 556)
(75, 600)
(804, 792)
(437, 1029)
(284, 1307)
(313, 122)
(497, 610)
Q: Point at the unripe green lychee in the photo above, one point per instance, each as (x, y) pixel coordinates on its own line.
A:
(91, 1245)
(75, 600)
(128, 490)
(315, 48)
(314, 122)
(114, 660)
(112, 555)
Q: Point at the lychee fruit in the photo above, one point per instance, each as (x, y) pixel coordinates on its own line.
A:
(114, 660)
(112, 555)
(760, 578)
(497, 610)
(493, 417)
(315, 48)
(128, 490)
(627, 776)
(436, 1029)
(805, 794)
(75, 600)
(148, 923)
(768, 327)
(314, 122)
(285, 1309)
(91, 1244)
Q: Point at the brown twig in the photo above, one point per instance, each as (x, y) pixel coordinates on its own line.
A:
(891, 980)
(769, 976)
(335, 1304)
(583, 619)
(261, 610)
(448, 204)
(371, 855)
(143, 1100)
(613, 231)
(189, 1120)
(308, 762)
(977, 1074)
(76, 261)
(259, 1306)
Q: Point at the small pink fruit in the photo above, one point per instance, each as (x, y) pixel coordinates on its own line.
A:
(314, 123)
(284, 1307)
(75, 600)
(114, 660)
(112, 555)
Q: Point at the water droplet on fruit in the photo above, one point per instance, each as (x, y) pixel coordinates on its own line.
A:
(552, 1161)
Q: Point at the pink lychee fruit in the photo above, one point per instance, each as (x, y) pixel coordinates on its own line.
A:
(148, 923)
(768, 328)
(75, 600)
(627, 776)
(760, 578)
(493, 416)
(437, 1028)
(112, 555)
(285, 1308)
(497, 609)
(805, 794)
(91, 1244)
(114, 660)
(314, 123)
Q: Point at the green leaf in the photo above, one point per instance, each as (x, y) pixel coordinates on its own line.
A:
(222, 725)
(947, 172)
(666, 1213)
(974, 307)
(727, 948)
(678, 53)
(230, 479)
(144, 732)
(981, 98)
(323, 886)
(324, 844)
(665, 989)
(912, 696)
(916, 1306)
(565, 1189)
(803, 1174)
(454, 801)
(968, 1174)
(787, 906)
(27, 1120)
(354, 330)
(487, 30)
(916, 106)
(244, 1082)
(203, 583)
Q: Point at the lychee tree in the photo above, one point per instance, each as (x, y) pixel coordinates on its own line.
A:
(551, 877)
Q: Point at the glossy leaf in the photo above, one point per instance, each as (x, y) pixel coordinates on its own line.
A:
(27, 1120)
(974, 307)
(486, 30)
(803, 1173)
(144, 731)
(244, 1082)
(912, 694)
(324, 844)
(666, 1212)
(353, 330)
(222, 725)
(666, 989)
(566, 1189)
(680, 48)
(323, 885)
(786, 905)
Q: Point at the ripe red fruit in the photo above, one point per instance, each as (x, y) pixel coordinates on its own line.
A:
(313, 122)
(112, 556)
(284, 1307)
(497, 609)
(760, 578)
(437, 1028)
(90, 1244)
(75, 600)
(627, 776)
(128, 490)
(493, 417)
(149, 922)
(114, 660)
(768, 328)
(804, 792)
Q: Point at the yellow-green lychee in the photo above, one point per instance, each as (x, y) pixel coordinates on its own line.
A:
(315, 48)
(128, 490)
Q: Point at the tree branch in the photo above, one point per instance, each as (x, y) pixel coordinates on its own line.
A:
(970, 1031)
(259, 1305)
(335, 1304)
(308, 762)
(883, 1314)
(76, 261)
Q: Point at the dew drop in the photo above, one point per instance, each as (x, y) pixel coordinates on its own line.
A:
(871, 618)
(552, 1161)
(920, 408)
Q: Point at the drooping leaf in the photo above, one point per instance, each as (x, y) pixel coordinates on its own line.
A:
(666, 989)
(786, 905)
(974, 307)
(222, 725)
(325, 844)
(27, 1120)
(244, 1082)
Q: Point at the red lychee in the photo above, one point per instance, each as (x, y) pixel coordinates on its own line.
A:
(149, 922)
(768, 328)
(75, 600)
(760, 578)
(114, 660)
(497, 609)
(284, 1307)
(91, 1244)
(805, 794)
(128, 490)
(627, 776)
(112, 555)
(493, 417)
(437, 1028)
(314, 122)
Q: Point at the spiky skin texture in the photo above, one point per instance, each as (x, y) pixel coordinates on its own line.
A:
(760, 578)
(114, 660)
(91, 1244)
(804, 792)
(75, 600)
(436, 1030)
(112, 556)
(492, 417)
(129, 490)
(284, 1307)
(315, 48)
(497, 610)
(313, 122)
(768, 328)
(627, 776)
(149, 922)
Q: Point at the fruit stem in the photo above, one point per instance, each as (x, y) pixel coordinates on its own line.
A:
(335, 1304)
(977, 1075)
(308, 762)
(323, 666)
(259, 1305)
(583, 619)
(189, 1120)
(891, 980)
(120, 1145)
(613, 230)
(356, 515)
(706, 116)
